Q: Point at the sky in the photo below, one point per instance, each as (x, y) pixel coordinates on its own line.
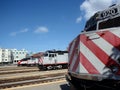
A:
(40, 25)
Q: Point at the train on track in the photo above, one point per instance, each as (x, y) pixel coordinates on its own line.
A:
(29, 61)
(32, 60)
(50, 59)
(53, 60)
(94, 55)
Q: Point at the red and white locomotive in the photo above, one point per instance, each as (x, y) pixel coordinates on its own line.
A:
(94, 55)
(53, 59)
(22, 62)
(30, 60)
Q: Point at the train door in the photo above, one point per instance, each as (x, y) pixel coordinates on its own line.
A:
(52, 58)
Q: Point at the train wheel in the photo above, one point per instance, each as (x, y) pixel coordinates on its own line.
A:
(49, 67)
(59, 66)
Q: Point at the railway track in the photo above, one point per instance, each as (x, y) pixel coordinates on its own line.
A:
(18, 71)
(15, 68)
(31, 80)
(19, 76)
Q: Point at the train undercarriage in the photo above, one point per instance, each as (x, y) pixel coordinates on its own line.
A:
(52, 66)
(84, 84)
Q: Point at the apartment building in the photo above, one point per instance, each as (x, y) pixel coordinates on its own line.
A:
(12, 55)
(18, 55)
(5, 56)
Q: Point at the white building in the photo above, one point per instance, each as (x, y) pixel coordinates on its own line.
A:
(5, 56)
(18, 55)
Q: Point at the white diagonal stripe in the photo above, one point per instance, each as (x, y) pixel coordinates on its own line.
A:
(107, 48)
(116, 31)
(82, 69)
(92, 58)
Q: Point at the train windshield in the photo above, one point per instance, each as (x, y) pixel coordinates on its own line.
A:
(92, 23)
(45, 55)
(104, 19)
(110, 23)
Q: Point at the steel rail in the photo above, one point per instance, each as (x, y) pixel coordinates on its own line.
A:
(18, 71)
(26, 82)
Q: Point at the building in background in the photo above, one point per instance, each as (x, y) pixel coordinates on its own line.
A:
(18, 55)
(5, 56)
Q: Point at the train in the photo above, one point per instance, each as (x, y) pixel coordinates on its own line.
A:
(48, 60)
(53, 59)
(29, 61)
(94, 55)
(22, 62)
(32, 60)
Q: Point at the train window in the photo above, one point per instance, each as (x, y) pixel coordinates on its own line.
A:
(45, 54)
(91, 24)
(55, 55)
(115, 22)
(51, 55)
(92, 28)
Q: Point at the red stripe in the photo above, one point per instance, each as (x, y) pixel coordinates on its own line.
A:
(87, 64)
(70, 45)
(76, 63)
(74, 49)
(111, 38)
(40, 60)
(97, 51)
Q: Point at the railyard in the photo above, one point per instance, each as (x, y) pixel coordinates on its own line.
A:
(19, 76)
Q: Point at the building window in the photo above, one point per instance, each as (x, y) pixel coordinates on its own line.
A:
(3, 50)
(16, 56)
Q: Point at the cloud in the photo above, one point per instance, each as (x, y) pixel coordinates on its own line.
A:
(41, 29)
(89, 7)
(118, 1)
(78, 19)
(19, 32)
(13, 33)
(24, 30)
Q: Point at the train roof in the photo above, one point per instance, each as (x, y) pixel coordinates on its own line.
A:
(56, 51)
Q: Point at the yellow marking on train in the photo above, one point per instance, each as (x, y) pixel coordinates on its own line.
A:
(41, 84)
